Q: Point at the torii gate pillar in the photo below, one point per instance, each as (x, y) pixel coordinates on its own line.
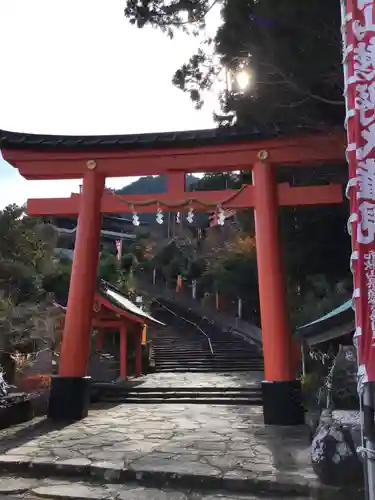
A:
(70, 390)
(281, 391)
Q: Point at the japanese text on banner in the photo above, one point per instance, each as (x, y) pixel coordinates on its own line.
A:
(363, 26)
(369, 262)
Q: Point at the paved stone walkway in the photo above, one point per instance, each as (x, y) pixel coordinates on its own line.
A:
(218, 446)
(196, 380)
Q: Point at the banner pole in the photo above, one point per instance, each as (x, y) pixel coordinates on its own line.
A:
(368, 411)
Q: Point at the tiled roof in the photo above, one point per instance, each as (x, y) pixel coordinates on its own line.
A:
(17, 140)
(114, 296)
(328, 326)
(346, 306)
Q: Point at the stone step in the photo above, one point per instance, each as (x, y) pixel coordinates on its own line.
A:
(201, 339)
(158, 485)
(190, 393)
(218, 362)
(126, 386)
(125, 393)
(208, 363)
(193, 352)
(219, 345)
(207, 369)
(205, 348)
(181, 349)
(208, 355)
(173, 393)
(183, 340)
(194, 400)
(211, 369)
(203, 368)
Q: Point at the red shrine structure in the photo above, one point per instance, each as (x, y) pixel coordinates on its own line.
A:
(114, 312)
(175, 154)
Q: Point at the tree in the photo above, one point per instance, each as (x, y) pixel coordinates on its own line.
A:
(318, 298)
(291, 50)
(29, 325)
(27, 313)
(25, 254)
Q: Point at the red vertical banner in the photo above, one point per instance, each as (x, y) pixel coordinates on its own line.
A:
(358, 29)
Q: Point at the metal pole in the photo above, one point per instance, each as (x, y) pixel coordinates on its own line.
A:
(303, 361)
(368, 413)
(194, 289)
(239, 307)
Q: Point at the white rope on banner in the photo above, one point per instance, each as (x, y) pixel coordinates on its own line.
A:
(351, 183)
(346, 18)
(349, 114)
(357, 333)
(352, 218)
(347, 51)
(351, 147)
(354, 256)
(350, 81)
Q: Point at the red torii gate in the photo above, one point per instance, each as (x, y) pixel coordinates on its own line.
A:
(176, 154)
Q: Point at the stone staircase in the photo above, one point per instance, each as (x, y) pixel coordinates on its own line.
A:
(184, 302)
(191, 344)
(125, 393)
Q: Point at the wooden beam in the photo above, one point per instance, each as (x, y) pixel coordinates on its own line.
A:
(306, 150)
(310, 195)
(201, 200)
(100, 323)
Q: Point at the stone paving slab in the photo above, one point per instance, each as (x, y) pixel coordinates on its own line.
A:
(30, 489)
(188, 445)
(196, 380)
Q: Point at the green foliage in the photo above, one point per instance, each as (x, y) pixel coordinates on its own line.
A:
(109, 268)
(25, 254)
(316, 247)
(31, 324)
(57, 282)
(167, 14)
(292, 50)
(316, 242)
(311, 385)
(231, 269)
(128, 261)
(321, 297)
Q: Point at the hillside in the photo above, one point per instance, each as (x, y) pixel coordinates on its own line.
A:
(152, 185)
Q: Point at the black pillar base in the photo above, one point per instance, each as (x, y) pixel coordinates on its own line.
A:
(69, 398)
(282, 403)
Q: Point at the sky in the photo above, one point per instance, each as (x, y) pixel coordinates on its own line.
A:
(78, 67)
